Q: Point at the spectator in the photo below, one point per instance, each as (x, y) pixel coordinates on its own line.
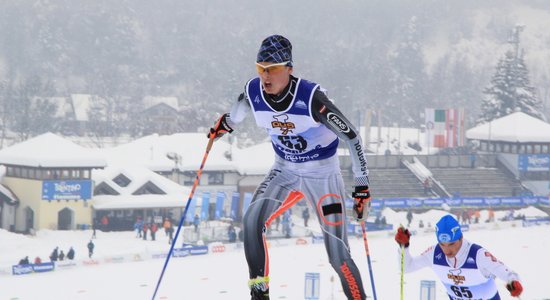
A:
(138, 227)
(287, 224)
(54, 255)
(427, 184)
(145, 227)
(167, 225)
(277, 222)
(473, 158)
(196, 222)
(409, 218)
(24, 261)
(61, 255)
(491, 216)
(70, 254)
(305, 215)
(231, 233)
(37, 260)
(383, 221)
(154, 228)
(476, 216)
(95, 223)
(104, 222)
(420, 224)
(170, 234)
(90, 249)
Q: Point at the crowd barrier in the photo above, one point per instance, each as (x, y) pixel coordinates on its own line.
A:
(32, 268)
(480, 202)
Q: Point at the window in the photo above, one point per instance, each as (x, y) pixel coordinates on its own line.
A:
(122, 180)
(148, 189)
(104, 189)
(215, 178)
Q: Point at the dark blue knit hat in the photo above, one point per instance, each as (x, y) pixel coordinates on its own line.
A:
(275, 49)
(448, 230)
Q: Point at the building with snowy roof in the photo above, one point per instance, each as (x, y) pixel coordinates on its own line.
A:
(522, 144)
(51, 177)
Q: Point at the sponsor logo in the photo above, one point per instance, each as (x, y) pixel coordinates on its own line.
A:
(361, 155)
(64, 187)
(281, 123)
(470, 260)
(303, 158)
(301, 104)
(114, 259)
(45, 267)
(180, 252)
(335, 121)
(493, 258)
(352, 284)
(20, 270)
(257, 99)
(65, 264)
(455, 276)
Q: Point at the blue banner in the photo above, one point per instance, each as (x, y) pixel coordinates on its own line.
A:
(192, 208)
(30, 268)
(205, 206)
(67, 190)
(235, 199)
(534, 162)
(405, 203)
(220, 198)
(246, 201)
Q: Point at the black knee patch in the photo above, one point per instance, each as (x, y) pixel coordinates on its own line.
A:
(334, 208)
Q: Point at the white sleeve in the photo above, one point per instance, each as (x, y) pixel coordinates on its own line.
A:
(412, 264)
(490, 265)
(239, 110)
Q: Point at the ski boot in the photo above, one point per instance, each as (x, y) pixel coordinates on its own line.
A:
(259, 288)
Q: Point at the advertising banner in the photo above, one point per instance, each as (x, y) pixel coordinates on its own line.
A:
(67, 190)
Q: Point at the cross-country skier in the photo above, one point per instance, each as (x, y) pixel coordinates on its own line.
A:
(305, 127)
(466, 270)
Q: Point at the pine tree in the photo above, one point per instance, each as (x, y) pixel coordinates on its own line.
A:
(510, 90)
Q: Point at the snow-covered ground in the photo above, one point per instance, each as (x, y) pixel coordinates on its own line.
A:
(224, 275)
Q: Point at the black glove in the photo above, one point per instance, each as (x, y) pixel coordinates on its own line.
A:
(220, 128)
(403, 237)
(361, 204)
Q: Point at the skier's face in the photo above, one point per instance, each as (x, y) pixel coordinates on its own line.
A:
(274, 77)
(451, 249)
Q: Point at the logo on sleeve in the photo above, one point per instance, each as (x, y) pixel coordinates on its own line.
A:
(335, 121)
(301, 104)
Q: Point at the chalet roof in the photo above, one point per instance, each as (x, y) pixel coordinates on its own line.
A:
(50, 151)
(516, 127)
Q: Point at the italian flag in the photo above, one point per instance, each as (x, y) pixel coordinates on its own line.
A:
(445, 127)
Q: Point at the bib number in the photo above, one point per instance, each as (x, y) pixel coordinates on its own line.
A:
(293, 142)
(461, 291)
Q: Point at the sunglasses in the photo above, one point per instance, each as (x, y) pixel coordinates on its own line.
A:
(273, 68)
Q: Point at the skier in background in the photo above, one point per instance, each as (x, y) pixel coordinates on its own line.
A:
(305, 127)
(467, 270)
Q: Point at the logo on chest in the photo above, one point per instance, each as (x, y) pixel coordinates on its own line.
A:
(455, 276)
(281, 122)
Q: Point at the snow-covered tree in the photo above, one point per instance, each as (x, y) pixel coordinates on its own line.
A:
(510, 90)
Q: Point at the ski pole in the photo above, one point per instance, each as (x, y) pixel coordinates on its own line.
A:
(195, 184)
(402, 269)
(368, 258)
